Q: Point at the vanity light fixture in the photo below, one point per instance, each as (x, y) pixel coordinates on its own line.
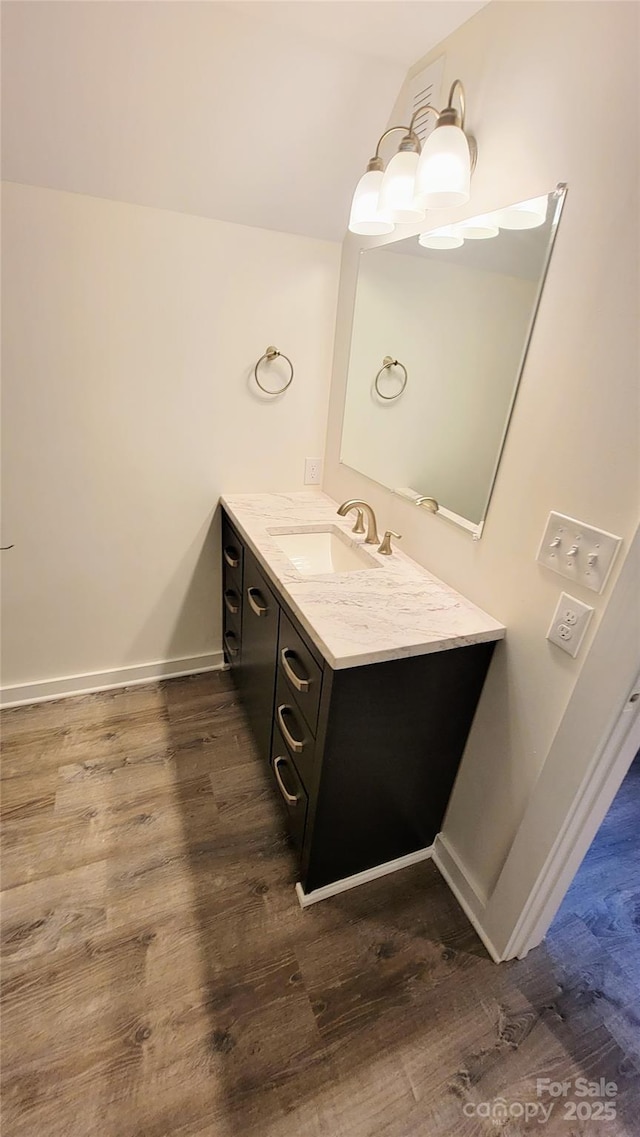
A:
(436, 176)
(365, 217)
(397, 192)
(448, 158)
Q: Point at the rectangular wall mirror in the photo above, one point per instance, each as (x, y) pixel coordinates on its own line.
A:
(439, 340)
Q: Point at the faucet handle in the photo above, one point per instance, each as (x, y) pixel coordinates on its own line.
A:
(385, 544)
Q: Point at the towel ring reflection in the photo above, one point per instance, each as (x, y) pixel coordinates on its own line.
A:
(388, 362)
(273, 353)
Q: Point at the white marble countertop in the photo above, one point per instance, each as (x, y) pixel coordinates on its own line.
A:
(355, 618)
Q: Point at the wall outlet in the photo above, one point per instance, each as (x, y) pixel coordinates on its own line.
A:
(569, 623)
(312, 471)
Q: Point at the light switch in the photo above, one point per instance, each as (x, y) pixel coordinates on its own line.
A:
(578, 551)
(569, 623)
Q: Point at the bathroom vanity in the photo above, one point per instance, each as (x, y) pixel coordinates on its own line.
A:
(360, 674)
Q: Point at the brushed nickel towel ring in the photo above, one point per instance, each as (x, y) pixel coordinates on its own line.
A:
(388, 362)
(273, 353)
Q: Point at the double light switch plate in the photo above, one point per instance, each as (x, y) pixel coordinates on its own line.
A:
(578, 551)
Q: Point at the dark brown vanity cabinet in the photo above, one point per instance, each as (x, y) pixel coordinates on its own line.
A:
(363, 758)
(251, 615)
(232, 568)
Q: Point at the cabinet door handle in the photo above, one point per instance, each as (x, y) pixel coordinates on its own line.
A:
(298, 683)
(291, 799)
(229, 597)
(231, 556)
(233, 651)
(294, 743)
(259, 609)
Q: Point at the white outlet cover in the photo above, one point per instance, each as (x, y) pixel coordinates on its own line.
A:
(578, 551)
(569, 624)
(312, 471)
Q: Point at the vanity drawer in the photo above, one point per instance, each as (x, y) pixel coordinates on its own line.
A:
(232, 600)
(290, 787)
(232, 554)
(303, 675)
(293, 729)
(232, 642)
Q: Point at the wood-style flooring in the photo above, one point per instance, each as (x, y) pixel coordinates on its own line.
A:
(160, 979)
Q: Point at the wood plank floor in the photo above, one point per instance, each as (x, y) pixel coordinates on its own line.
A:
(159, 977)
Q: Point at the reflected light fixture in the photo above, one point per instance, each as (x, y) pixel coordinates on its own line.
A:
(448, 237)
(479, 228)
(524, 215)
(435, 176)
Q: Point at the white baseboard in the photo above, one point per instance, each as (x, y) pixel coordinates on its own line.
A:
(46, 690)
(469, 895)
(307, 898)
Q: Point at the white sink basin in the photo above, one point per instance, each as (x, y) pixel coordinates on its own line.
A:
(318, 551)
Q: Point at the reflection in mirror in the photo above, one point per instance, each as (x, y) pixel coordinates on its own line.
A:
(440, 333)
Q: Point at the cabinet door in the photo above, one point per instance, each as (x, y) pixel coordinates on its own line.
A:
(256, 671)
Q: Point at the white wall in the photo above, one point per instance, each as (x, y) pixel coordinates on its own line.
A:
(440, 437)
(573, 443)
(130, 334)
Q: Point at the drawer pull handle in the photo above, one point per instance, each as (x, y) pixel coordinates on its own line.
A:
(291, 799)
(228, 636)
(231, 602)
(231, 556)
(294, 743)
(298, 683)
(259, 609)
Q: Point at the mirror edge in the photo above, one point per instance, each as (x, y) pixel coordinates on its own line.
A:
(560, 193)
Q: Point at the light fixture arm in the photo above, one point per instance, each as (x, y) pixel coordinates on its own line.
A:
(419, 111)
(448, 116)
(458, 83)
(409, 134)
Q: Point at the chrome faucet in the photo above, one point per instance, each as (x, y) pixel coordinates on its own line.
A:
(372, 537)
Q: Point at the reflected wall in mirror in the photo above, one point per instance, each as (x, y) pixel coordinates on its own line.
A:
(438, 344)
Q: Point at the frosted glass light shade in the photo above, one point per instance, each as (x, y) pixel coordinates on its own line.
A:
(365, 218)
(443, 179)
(397, 193)
(449, 237)
(524, 215)
(479, 228)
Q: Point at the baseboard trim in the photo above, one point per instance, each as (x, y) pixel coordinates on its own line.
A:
(469, 896)
(306, 899)
(46, 690)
